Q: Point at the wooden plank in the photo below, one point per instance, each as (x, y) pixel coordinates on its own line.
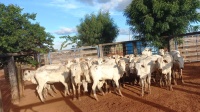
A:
(190, 39)
(189, 46)
(192, 59)
(189, 54)
(187, 50)
(88, 52)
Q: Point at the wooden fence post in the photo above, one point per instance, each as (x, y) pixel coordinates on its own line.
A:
(100, 51)
(19, 78)
(13, 80)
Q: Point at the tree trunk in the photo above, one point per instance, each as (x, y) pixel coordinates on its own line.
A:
(13, 80)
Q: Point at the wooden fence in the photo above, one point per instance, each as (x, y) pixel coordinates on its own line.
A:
(190, 48)
(64, 55)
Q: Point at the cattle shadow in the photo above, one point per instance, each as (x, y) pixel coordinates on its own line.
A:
(197, 84)
(187, 91)
(67, 100)
(161, 107)
(132, 91)
(190, 86)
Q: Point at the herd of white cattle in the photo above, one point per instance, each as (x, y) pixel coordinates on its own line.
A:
(79, 72)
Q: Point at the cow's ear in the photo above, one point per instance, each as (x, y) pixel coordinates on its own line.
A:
(165, 61)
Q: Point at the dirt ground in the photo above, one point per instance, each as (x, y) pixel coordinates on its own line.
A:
(184, 98)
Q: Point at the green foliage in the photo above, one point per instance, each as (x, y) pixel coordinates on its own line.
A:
(97, 29)
(18, 34)
(155, 20)
(69, 40)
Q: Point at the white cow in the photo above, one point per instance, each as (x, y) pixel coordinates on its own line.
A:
(29, 75)
(79, 76)
(133, 73)
(144, 69)
(178, 65)
(50, 76)
(107, 72)
(165, 65)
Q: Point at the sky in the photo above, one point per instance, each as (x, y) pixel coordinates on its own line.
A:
(60, 17)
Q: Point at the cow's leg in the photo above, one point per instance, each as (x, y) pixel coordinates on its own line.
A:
(118, 87)
(53, 88)
(44, 92)
(149, 83)
(166, 80)
(174, 77)
(74, 91)
(169, 81)
(123, 80)
(108, 86)
(85, 86)
(100, 89)
(161, 80)
(66, 92)
(79, 91)
(94, 89)
(49, 89)
(181, 76)
(40, 89)
(142, 84)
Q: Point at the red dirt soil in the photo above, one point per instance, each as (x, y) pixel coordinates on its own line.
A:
(184, 98)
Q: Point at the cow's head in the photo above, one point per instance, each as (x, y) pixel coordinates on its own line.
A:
(140, 69)
(132, 67)
(161, 52)
(122, 65)
(180, 61)
(28, 75)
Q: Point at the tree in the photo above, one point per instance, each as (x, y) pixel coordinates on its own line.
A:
(154, 20)
(97, 29)
(18, 34)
